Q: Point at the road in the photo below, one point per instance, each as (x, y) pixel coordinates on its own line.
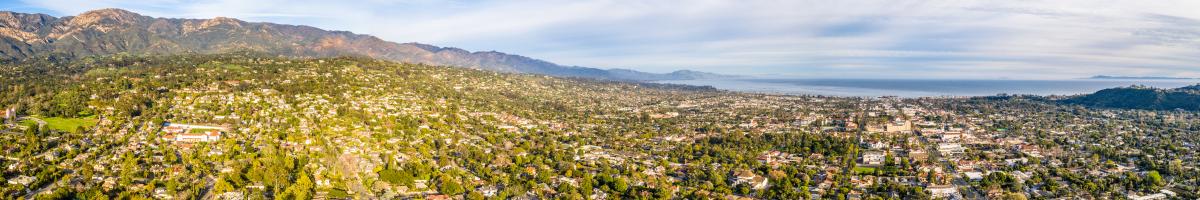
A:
(48, 187)
(51, 186)
(957, 181)
(208, 194)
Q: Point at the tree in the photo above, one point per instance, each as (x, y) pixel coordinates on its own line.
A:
(302, 189)
(475, 196)
(1014, 196)
(619, 184)
(222, 186)
(450, 187)
(396, 177)
(1154, 179)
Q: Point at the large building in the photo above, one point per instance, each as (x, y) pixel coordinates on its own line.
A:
(951, 149)
(192, 133)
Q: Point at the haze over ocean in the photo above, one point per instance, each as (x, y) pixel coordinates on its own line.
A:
(924, 87)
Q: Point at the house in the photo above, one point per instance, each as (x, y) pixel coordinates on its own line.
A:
(1015, 161)
(942, 191)
(953, 136)
(487, 191)
(918, 155)
(951, 149)
(1030, 150)
(749, 178)
(899, 127)
(873, 157)
(192, 133)
(973, 176)
(161, 193)
(22, 180)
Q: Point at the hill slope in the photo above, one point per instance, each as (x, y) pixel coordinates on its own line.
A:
(110, 31)
(1186, 98)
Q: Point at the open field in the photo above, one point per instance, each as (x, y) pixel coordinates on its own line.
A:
(70, 124)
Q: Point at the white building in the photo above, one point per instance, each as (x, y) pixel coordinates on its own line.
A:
(873, 157)
(973, 176)
(951, 149)
(942, 191)
(22, 180)
(953, 136)
(754, 181)
(192, 133)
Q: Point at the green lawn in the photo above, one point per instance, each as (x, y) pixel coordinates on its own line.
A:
(864, 170)
(70, 124)
(28, 123)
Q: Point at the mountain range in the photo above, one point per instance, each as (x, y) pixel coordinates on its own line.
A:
(109, 31)
(1141, 97)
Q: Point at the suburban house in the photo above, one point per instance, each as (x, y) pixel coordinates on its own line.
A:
(192, 133)
(942, 191)
(899, 127)
(873, 157)
(749, 178)
(917, 154)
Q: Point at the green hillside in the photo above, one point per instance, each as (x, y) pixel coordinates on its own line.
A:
(1185, 98)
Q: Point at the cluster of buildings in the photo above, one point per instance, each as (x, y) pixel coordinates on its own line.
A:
(192, 133)
(950, 143)
(946, 146)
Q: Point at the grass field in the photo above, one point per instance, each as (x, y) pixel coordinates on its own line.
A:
(864, 170)
(70, 124)
(28, 123)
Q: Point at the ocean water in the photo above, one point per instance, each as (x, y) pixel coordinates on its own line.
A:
(924, 88)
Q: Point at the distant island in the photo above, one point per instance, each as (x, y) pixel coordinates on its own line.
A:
(1140, 77)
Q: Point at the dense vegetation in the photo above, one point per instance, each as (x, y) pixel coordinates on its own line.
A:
(350, 127)
(1185, 98)
(420, 127)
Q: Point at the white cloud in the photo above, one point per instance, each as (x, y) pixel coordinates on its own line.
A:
(861, 38)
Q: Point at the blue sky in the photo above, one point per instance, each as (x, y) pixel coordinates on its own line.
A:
(987, 39)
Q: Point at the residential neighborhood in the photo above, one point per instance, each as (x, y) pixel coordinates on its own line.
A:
(366, 129)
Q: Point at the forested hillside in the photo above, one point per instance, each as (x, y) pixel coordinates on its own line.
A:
(357, 127)
(1185, 98)
(111, 31)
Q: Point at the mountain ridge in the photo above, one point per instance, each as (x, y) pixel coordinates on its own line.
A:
(1141, 97)
(111, 30)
